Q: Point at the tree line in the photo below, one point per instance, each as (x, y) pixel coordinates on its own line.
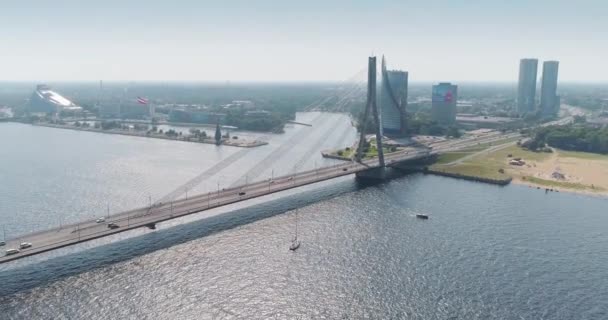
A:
(571, 137)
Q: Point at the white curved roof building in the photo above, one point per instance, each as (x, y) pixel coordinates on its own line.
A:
(44, 99)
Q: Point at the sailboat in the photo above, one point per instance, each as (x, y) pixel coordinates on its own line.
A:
(295, 243)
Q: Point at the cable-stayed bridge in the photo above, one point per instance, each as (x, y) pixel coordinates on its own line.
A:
(252, 184)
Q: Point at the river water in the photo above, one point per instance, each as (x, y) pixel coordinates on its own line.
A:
(486, 252)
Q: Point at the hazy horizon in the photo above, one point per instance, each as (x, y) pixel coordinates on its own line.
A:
(314, 41)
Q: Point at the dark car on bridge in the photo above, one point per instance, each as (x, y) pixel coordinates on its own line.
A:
(113, 226)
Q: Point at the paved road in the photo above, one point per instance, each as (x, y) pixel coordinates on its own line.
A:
(474, 154)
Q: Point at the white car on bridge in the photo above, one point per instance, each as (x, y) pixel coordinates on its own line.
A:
(25, 245)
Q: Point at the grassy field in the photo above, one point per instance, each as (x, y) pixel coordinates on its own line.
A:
(494, 165)
(451, 157)
(347, 153)
(371, 153)
(487, 165)
(483, 146)
(473, 170)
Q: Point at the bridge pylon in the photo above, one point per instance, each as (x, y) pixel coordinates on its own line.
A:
(371, 107)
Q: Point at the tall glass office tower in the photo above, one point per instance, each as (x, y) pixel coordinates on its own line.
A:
(526, 91)
(393, 101)
(549, 100)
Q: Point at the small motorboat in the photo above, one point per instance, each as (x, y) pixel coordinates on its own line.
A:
(295, 244)
(422, 216)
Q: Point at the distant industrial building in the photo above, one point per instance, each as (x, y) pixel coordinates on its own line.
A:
(444, 100)
(109, 110)
(470, 121)
(45, 100)
(549, 100)
(526, 89)
(246, 104)
(5, 112)
(134, 111)
(257, 114)
(196, 116)
(393, 101)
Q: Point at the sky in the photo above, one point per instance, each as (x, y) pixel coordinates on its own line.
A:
(306, 40)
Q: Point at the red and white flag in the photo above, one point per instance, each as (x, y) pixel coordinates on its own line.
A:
(142, 100)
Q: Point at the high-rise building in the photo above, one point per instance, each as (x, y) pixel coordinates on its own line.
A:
(549, 100)
(445, 97)
(393, 101)
(526, 90)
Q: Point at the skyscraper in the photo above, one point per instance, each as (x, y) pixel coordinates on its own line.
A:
(549, 100)
(393, 101)
(445, 97)
(526, 90)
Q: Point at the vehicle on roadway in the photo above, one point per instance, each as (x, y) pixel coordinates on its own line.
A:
(12, 251)
(241, 193)
(344, 169)
(2, 243)
(113, 226)
(25, 245)
(101, 220)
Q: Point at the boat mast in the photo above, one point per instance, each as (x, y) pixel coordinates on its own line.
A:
(296, 224)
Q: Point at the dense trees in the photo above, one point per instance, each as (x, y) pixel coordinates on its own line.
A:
(272, 122)
(572, 137)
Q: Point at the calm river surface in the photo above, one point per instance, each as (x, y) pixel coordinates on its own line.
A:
(487, 252)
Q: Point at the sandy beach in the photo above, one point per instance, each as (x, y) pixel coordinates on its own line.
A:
(565, 171)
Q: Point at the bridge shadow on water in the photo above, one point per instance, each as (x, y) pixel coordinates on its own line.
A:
(36, 274)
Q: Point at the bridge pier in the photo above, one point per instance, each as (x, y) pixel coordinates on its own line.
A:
(373, 175)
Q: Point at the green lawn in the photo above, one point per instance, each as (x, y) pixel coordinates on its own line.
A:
(473, 170)
(451, 157)
(345, 153)
(517, 152)
(373, 151)
(487, 165)
(483, 146)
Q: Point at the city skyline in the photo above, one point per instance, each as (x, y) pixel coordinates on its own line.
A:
(313, 41)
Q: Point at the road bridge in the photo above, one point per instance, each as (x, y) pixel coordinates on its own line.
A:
(67, 235)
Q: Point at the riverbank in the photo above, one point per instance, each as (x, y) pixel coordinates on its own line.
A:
(241, 143)
(500, 182)
(560, 170)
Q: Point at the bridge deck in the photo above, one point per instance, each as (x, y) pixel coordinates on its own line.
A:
(67, 235)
